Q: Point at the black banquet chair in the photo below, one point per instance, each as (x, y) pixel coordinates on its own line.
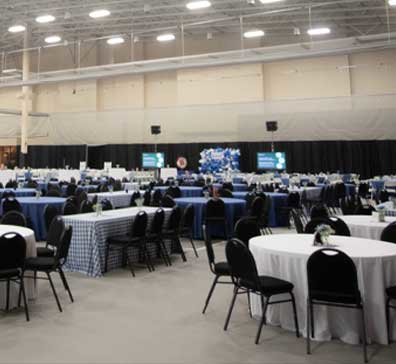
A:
(86, 207)
(389, 233)
(245, 229)
(168, 201)
(219, 269)
(14, 218)
(50, 212)
(54, 236)
(106, 205)
(11, 204)
(136, 238)
(247, 281)
(187, 226)
(332, 281)
(171, 232)
(53, 264)
(215, 215)
(69, 208)
(12, 261)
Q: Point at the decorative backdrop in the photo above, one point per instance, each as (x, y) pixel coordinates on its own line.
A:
(218, 160)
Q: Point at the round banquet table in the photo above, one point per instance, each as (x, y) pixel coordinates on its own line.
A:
(33, 209)
(235, 208)
(368, 227)
(31, 251)
(285, 256)
(186, 191)
(238, 187)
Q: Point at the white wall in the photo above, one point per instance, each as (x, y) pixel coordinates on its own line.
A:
(338, 97)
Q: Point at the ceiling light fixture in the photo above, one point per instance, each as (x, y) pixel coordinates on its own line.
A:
(45, 19)
(166, 37)
(115, 40)
(392, 2)
(319, 31)
(101, 13)
(254, 33)
(17, 28)
(270, 1)
(53, 39)
(196, 5)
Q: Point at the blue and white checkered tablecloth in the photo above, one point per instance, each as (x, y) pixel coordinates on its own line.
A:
(389, 209)
(118, 199)
(90, 233)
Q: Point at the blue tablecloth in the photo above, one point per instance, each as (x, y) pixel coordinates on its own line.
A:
(278, 200)
(238, 187)
(19, 192)
(378, 185)
(33, 209)
(235, 208)
(186, 191)
(238, 180)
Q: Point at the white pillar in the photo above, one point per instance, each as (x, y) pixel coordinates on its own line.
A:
(26, 97)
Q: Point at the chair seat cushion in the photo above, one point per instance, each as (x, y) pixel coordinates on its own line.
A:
(45, 252)
(39, 263)
(336, 297)
(391, 292)
(8, 273)
(222, 268)
(270, 285)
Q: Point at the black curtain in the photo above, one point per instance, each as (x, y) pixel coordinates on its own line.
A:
(368, 158)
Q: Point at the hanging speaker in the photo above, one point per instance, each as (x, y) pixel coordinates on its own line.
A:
(155, 129)
(272, 126)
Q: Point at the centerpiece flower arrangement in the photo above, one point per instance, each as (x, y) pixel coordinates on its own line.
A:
(322, 234)
(98, 209)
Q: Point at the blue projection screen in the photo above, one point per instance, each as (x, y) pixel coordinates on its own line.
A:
(153, 160)
(271, 161)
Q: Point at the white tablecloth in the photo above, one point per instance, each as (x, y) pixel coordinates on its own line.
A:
(285, 256)
(118, 198)
(367, 227)
(31, 251)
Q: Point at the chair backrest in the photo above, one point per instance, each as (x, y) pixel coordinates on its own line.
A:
(175, 219)
(62, 250)
(11, 204)
(158, 221)
(147, 198)
(71, 189)
(86, 207)
(188, 216)
(106, 205)
(139, 225)
(50, 212)
(8, 194)
(293, 200)
(228, 186)
(117, 185)
(242, 263)
(11, 184)
(257, 208)
(56, 231)
(249, 198)
(389, 233)
(224, 192)
(168, 201)
(156, 198)
(332, 277)
(174, 191)
(339, 226)
(14, 218)
(384, 196)
(245, 229)
(340, 190)
(53, 192)
(12, 251)
(69, 208)
(82, 196)
(298, 224)
(319, 211)
(215, 208)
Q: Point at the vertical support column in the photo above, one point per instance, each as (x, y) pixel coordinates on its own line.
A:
(26, 97)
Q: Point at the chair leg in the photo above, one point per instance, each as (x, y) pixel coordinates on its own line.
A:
(22, 289)
(165, 252)
(193, 245)
(107, 257)
(148, 259)
(54, 291)
(295, 314)
(8, 295)
(249, 304)
(264, 305)
(312, 320)
(231, 308)
(183, 255)
(387, 313)
(210, 293)
(364, 336)
(65, 283)
(130, 265)
(308, 327)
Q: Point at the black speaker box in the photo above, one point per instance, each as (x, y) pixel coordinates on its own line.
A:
(155, 129)
(272, 126)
